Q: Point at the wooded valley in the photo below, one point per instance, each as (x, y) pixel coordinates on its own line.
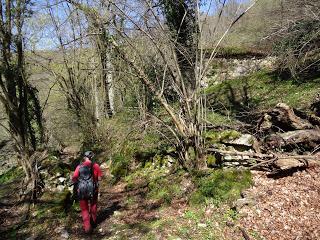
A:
(203, 115)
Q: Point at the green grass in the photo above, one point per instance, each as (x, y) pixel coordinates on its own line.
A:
(203, 220)
(164, 189)
(260, 90)
(219, 119)
(229, 51)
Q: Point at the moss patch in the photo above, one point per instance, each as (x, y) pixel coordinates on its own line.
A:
(217, 137)
(11, 174)
(221, 186)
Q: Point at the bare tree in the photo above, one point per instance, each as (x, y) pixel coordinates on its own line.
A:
(160, 42)
(99, 24)
(297, 38)
(72, 65)
(173, 43)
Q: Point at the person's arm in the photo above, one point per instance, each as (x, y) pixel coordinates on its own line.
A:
(75, 175)
(98, 172)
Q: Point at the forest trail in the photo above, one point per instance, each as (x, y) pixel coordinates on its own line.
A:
(114, 209)
(118, 207)
(281, 207)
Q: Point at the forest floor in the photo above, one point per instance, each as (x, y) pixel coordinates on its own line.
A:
(281, 207)
(274, 207)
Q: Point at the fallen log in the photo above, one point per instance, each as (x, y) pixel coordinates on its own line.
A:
(289, 163)
(309, 138)
(315, 106)
(315, 120)
(283, 118)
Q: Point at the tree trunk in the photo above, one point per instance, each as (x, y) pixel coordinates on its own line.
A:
(289, 163)
(106, 73)
(17, 95)
(109, 79)
(96, 102)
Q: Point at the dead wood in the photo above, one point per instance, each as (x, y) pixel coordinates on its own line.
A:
(289, 163)
(309, 138)
(283, 118)
(315, 120)
(315, 106)
(244, 233)
(290, 129)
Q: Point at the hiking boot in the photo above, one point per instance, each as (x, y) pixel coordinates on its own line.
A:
(89, 232)
(93, 223)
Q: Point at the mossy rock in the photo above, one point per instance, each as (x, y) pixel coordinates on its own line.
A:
(56, 197)
(56, 166)
(218, 137)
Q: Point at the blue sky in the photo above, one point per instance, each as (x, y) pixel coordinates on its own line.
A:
(42, 36)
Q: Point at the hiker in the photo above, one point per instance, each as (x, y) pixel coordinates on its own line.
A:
(86, 176)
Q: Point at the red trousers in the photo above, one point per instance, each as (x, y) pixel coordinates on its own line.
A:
(89, 211)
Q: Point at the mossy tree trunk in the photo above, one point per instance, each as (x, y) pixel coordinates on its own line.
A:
(18, 97)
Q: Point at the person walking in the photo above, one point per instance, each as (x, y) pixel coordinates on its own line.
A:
(87, 176)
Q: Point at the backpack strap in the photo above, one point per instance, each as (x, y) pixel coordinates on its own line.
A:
(92, 172)
(92, 175)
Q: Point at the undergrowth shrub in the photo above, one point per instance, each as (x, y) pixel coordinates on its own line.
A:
(221, 186)
(145, 174)
(298, 50)
(120, 166)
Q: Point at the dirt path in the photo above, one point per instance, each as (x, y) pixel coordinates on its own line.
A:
(120, 214)
(283, 208)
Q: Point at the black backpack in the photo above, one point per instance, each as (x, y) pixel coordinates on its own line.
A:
(86, 184)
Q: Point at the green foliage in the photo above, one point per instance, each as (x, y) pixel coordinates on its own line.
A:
(193, 215)
(11, 174)
(231, 214)
(120, 166)
(221, 186)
